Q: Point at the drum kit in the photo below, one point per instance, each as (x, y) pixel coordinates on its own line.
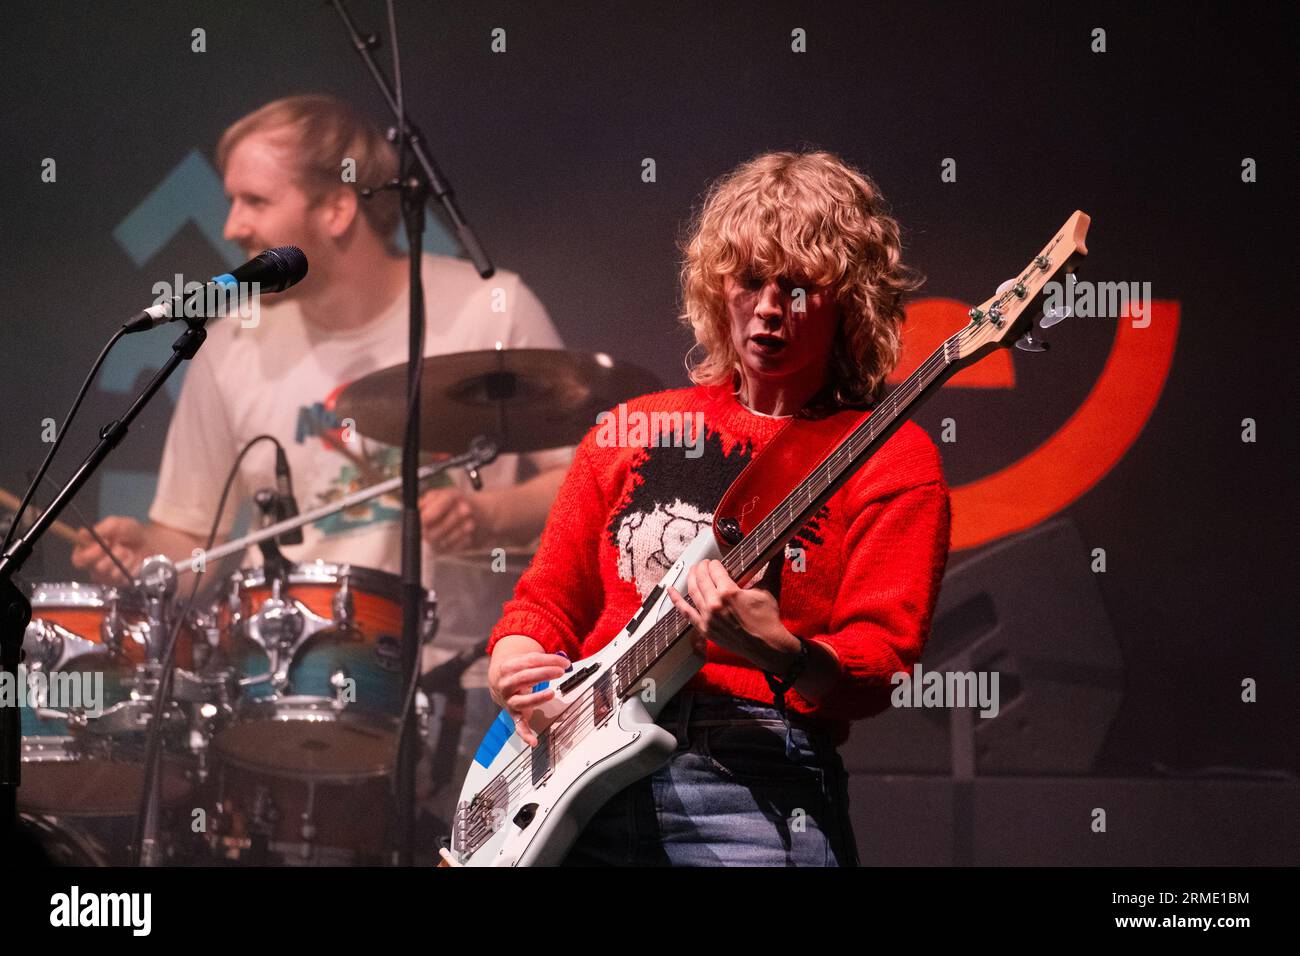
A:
(280, 725)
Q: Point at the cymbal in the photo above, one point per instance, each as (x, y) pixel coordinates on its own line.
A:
(523, 399)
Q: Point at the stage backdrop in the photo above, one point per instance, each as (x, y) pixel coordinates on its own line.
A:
(1160, 446)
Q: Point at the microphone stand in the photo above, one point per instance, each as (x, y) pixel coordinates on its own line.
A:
(16, 609)
(418, 179)
(435, 183)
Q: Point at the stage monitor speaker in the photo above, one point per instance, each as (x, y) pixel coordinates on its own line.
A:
(1028, 608)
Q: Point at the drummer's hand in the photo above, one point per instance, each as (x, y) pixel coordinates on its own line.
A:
(450, 520)
(511, 678)
(124, 535)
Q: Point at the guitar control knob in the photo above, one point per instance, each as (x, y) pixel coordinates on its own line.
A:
(729, 528)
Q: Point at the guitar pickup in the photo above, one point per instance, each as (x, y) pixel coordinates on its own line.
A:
(646, 606)
(541, 758)
(578, 678)
(602, 698)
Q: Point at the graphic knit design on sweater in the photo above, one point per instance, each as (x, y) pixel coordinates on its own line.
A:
(670, 500)
(862, 575)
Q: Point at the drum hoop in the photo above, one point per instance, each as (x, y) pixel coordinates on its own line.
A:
(57, 748)
(311, 708)
(319, 572)
(303, 709)
(65, 594)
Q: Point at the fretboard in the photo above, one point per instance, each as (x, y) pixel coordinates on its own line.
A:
(771, 534)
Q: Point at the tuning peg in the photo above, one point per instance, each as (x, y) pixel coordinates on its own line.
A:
(1052, 316)
(1031, 343)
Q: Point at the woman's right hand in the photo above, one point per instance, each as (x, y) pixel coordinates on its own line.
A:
(518, 664)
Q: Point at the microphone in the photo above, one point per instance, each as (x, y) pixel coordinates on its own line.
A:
(286, 505)
(274, 270)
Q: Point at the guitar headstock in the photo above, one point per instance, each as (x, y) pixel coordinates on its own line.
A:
(997, 321)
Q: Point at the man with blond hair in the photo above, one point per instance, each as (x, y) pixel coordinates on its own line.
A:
(294, 170)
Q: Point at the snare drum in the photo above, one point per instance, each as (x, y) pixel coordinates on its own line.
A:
(321, 676)
(83, 756)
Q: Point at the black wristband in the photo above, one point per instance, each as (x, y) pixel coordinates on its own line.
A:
(781, 684)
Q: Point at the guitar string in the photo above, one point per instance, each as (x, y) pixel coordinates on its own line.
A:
(570, 726)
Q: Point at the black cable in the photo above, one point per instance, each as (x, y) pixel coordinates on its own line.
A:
(58, 438)
(163, 691)
(230, 480)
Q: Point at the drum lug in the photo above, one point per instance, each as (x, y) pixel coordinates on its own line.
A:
(207, 719)
(429, 625)
(220, 822)
(308, 829)
(422, 714)
(278, 627)
(143, 683)
(111, 628)
(235, 607)
(209, 634)
(43, 645)
(342, 606)
(265, 813)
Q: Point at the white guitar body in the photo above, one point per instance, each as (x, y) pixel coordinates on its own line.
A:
(534, 820)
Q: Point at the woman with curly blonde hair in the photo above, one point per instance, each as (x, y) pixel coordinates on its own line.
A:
(793, 284)
(804, 221)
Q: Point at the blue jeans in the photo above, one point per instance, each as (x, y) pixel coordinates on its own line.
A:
(728, 796)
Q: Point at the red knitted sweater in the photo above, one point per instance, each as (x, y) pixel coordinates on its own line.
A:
(862, 575)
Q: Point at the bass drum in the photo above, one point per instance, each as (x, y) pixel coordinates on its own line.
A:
(53, 842)
(260, 820)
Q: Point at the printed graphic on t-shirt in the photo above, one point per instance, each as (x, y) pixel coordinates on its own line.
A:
(671, 500)
(363, 463)
(384, 463)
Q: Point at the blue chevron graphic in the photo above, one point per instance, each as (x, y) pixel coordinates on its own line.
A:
(192, 191)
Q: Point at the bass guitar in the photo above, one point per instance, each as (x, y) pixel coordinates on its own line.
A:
(523, 806)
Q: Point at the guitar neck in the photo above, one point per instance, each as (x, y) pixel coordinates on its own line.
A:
(994, 321)
(770, 535)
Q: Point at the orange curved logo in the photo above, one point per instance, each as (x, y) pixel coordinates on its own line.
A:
(1082, 451)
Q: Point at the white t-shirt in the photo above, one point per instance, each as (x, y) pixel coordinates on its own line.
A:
(283, 376)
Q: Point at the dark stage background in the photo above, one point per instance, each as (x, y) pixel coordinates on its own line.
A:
(1134, 673)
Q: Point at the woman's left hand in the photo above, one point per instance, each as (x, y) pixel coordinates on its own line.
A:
(745, 621)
